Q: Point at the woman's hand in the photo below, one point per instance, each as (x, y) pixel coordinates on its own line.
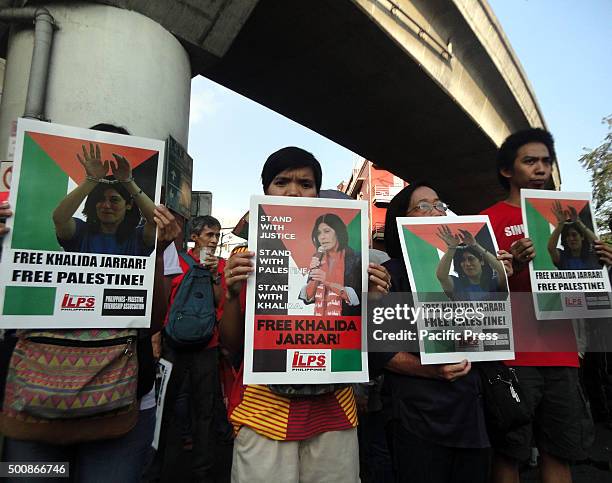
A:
(5, 212)
(451, 372)
(560, 214)
(122, 171)
(238, 268)
(506, 258)
(604, 251)
(445, 234)
(379, 279)
(92, 162)
(318, 275)
(573, 214)
(314, 263)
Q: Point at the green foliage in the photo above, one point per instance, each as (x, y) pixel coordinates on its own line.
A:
(598, 162)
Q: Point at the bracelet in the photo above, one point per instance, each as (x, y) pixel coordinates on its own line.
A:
(101, 180)
(129, 180)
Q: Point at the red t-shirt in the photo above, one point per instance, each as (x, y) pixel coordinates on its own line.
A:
(176, 282)
(532, 337)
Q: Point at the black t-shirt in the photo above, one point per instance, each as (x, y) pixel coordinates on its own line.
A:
(445, 413)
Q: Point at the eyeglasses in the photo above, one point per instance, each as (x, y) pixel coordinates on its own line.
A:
(427, 207)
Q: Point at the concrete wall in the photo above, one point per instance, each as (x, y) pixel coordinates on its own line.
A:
(107, 65)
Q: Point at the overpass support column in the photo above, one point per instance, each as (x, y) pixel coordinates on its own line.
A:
(107, 65)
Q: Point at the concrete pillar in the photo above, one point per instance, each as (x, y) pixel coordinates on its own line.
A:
(107, 65)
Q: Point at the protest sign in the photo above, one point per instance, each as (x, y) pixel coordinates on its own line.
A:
(304, 303)
(162, 378)
(567, 278)
(461, 301)
(77, 254)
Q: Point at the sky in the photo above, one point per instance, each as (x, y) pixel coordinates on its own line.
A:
(563, 46)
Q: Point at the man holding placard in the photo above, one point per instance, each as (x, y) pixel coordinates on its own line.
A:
(561, 424)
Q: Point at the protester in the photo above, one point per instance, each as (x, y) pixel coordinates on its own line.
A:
(434, 413)
(576, 239)
(194, 413)
(306, 439)
(479, 271)
(562, 426)
(44, 439)
(89, 439)
(334, 281)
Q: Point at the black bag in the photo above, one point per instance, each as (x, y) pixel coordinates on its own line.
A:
(504, 403)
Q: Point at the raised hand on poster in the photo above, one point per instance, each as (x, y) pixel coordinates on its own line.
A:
(560, 214)
(445, 234)
(92, 162)
(467, 238)
(122, 171)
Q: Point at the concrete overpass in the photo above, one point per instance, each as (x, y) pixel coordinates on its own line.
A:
(425, 88)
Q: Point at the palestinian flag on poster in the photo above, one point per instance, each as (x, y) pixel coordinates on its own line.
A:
(583, 276)
(316, 338)
(46, 169)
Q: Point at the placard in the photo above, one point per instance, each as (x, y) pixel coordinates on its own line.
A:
(567, 279)
(305, 302)
(461, 299)
(62, 264)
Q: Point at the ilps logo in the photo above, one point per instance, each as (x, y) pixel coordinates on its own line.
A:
(78, 302)
(309, 361)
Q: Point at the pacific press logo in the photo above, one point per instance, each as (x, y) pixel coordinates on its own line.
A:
(78, 302)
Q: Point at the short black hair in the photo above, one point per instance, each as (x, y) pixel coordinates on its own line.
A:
(197, 224)
(290, 158)
(397, 208)
(509, 148)
(106, 127)
(336, 224)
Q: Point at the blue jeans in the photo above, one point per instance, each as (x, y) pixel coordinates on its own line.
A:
(114, 460)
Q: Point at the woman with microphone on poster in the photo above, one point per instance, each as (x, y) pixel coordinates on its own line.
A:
(334, 282)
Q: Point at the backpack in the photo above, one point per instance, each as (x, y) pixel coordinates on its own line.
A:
(192, 316)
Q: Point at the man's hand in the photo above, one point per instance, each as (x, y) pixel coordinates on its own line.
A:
(237, 269)
(604, 251)
(211, 262)
(168, 228)
(450, 372)
(523, 252)
(506, 258)
(5, 212)
(92, 162)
